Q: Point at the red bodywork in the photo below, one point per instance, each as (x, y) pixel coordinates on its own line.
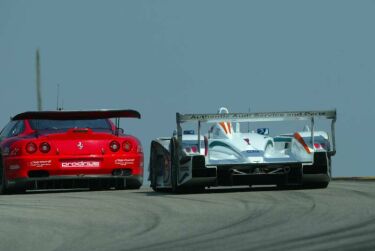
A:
(73, 153)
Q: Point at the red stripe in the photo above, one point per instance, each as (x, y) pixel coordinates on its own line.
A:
(298, 137)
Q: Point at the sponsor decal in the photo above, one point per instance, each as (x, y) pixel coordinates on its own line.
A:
(253, 151)
(81, 164)
(40, 163)
(14, 167)
(235, 116)
(124, 162)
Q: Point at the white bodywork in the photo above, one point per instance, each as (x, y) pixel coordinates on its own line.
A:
(222, 155)
(227, 145)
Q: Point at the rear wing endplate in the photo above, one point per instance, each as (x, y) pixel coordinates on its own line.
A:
(259, 117)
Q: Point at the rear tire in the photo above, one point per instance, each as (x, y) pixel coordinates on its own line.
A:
(3, 189)
(120, 184)
(153, 172)
(133, 184)
(174, 167)
(133, 187)
(320, 185)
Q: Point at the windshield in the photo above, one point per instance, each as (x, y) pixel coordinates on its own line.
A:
(47, 124)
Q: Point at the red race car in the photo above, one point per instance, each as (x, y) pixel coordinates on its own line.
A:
(69, 149)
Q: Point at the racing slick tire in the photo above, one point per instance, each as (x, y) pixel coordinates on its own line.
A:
(3, 189)
(323, 182)
(153, 170)
(153, 180)
(317, 185)
(174, 168)
(120, 184)
(133, 186)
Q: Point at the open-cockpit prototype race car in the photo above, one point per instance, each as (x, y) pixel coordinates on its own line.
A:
(225, 156)
(69, 149)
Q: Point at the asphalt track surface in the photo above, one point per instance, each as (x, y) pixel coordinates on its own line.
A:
(341, 217)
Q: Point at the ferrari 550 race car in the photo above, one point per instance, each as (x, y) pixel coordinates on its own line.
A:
(66, 149)
(225, 156)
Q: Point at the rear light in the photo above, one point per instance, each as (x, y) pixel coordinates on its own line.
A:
(320, 146)
(31, 147)
(126, 146)
(194, 149)
(114, 146)
(317, 146)
(44, 147)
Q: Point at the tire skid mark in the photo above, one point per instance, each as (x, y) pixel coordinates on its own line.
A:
(324, 238)
(238, 223)
(341, 218)
(242, 232)
(192, 237)
(332, 235)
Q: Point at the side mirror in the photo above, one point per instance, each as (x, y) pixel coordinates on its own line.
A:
(263, 131)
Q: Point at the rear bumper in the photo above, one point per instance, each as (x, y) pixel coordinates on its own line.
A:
(31, 167)
(71, 181)
(264, 174)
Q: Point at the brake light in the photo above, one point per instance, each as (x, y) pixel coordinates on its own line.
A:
(31, 147)
(44, 147)
(114, 146)
(194, 149)
(126, 146)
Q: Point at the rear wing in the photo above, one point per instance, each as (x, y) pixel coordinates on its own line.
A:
(259, 117)
(74, 115)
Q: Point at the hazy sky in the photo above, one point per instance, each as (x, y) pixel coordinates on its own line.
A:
(160, 57)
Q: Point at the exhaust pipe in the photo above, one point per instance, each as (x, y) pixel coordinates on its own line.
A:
(118, 172)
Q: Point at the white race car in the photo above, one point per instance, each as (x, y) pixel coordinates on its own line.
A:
(225, 156)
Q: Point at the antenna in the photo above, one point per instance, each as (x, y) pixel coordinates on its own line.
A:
(58, 96)
(38, 82)
(248, 123)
